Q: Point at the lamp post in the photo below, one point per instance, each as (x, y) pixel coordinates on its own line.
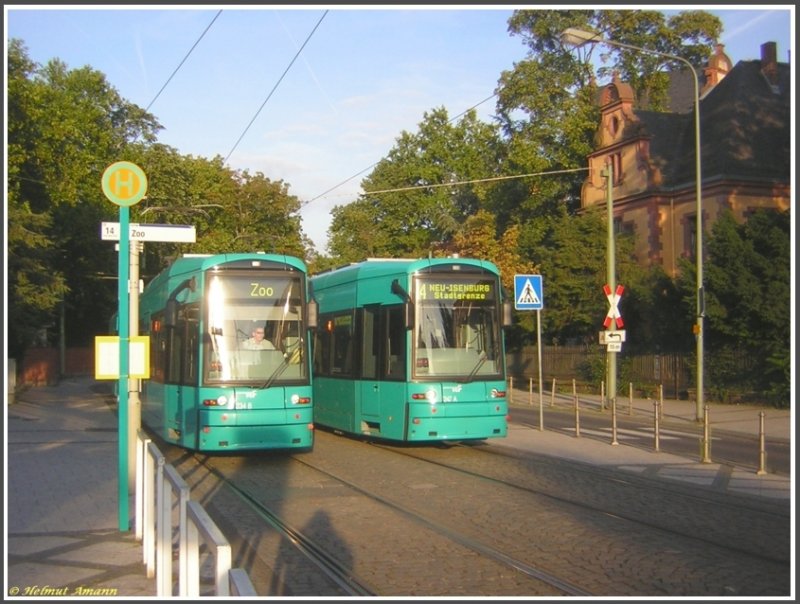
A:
(577, 37)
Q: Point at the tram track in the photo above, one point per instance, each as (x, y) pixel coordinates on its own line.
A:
(629, 483)
(343, 577)
(567, 588)
(412, 511)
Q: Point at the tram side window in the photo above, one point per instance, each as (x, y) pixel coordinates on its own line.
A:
(396, 339)
(333, 353)
(384, 343)
(183, 347)
(158, 348)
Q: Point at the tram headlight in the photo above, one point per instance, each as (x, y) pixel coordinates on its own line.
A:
(220, 401)
(428, 395)
(300, 400)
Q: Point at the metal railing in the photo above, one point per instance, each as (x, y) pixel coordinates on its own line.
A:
(154, 528)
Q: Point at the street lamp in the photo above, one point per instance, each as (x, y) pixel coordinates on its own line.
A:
(577, 37)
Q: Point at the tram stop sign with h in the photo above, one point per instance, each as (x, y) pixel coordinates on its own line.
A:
(124, 183)
(528, 292)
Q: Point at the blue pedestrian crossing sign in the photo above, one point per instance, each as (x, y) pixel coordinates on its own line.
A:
(528, 292)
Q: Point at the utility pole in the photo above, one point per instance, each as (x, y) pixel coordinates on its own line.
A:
(611, 353)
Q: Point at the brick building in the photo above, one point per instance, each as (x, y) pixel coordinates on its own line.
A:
(745, 135)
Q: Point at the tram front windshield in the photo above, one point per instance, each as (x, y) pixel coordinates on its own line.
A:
(457, 332)
(253, 328)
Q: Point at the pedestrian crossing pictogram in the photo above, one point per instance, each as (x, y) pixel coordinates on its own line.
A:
(528, 292)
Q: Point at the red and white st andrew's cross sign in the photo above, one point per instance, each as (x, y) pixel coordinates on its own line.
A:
(613, 302)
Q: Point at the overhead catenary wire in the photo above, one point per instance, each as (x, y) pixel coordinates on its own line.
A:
(274, 88)
(169, 79)
(345, 181)
(477, 180)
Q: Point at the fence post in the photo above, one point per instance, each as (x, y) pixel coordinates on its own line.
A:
(762, 452)
(241, 584)
(141, 450)
(577, 411)
(179, 484)
(553, 394)
(530, 391)
(661, 401)
(163, 553)
(511, 389)
(163, 535)
(199, 520)
(148, 513)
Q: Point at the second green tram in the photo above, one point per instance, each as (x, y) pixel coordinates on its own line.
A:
(411, 350)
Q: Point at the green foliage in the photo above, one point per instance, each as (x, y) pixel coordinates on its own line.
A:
(413, 203)
(65, 127)
(747, 292)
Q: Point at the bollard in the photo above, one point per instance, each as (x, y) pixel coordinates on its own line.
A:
(655, 426)
(553, 394)
(511, 389)
(661, 401)
(706, 439)
(762, 452)
(541, 405)
(614, 420)
(630, 398)
(602, 395)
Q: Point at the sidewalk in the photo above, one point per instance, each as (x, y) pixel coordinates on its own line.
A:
(743, 419)
(62, 528)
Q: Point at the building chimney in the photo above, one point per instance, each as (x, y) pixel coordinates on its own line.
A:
(769, 62)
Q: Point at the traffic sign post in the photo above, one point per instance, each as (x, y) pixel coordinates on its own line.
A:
(124, 184)
(528, 295)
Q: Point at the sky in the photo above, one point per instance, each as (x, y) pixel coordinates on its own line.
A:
(313, 95)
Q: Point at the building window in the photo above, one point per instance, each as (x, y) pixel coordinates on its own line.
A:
(615, 159)
(690, 237)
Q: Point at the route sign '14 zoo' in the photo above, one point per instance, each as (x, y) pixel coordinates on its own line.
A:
(528, 292)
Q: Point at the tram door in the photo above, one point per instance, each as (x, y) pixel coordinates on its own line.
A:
(383, 371)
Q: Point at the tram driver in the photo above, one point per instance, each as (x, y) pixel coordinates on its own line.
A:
(257, 341)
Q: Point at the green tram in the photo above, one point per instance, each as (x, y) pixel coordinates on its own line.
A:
(411, 350)
(212, 386)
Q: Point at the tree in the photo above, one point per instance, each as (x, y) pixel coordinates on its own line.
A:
(65, 127)
(34, 288)
(748, 318)
(413, 201)
(478, 238)
(547, 112)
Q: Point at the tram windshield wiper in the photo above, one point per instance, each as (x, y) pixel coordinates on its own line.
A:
(278, 371)
(481, 360)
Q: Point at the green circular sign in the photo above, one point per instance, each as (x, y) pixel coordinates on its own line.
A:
(124, 183)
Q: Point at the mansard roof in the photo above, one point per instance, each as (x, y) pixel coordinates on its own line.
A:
(745, 128)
